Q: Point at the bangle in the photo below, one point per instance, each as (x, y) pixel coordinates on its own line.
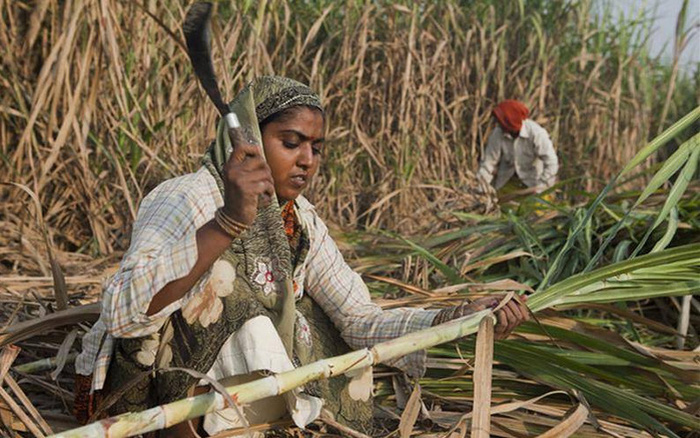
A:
(232, 221)
(230, 226)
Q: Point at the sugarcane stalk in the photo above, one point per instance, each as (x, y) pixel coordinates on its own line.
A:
(164, 416)
(43, 364)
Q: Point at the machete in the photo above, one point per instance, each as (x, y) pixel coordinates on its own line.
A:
(197, 30)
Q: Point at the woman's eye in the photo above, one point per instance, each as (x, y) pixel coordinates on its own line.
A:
(316, 150)
(289, 144)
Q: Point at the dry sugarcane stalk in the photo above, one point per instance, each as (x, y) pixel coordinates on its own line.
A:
(161, 417)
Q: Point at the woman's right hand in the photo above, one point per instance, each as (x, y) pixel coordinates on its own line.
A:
(247, 179)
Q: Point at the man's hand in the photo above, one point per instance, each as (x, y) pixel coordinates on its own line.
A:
(508, 317)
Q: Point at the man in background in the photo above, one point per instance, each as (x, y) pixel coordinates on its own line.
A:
(518, 147)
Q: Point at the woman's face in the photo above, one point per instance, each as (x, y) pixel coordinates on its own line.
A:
(293, 146)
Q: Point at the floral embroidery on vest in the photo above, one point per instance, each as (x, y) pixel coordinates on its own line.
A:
(303, 331)
(266, 273)
(206, 305)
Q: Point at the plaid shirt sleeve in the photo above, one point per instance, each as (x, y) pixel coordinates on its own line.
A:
(163, 249)
(344, 297)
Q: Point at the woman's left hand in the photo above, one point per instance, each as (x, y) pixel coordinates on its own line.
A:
(508, 317)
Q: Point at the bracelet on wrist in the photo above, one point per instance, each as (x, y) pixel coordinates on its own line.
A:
(230, 226)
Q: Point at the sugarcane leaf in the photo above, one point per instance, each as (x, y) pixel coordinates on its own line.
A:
(612, 295)
(486, 262)
(449, 272)
(621, 251)
(673, 197)
(526, 234)
(664, 174)
(662, 139)
(559, 373)
(670, 231)
(642, 155)
(680, 185)
(555, 294)
(602, 341)
(627, 380)
(670, 167)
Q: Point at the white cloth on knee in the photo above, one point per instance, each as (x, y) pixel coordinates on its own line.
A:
(256, 346)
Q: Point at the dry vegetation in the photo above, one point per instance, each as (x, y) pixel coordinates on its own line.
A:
(98, 104)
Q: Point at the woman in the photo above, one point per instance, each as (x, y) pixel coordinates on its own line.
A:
(518, 146)
(202, 285)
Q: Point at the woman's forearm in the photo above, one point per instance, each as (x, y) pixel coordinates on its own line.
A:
(212, 241)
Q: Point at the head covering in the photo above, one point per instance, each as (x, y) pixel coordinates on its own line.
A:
(510, 115)
(258, 100)
(273, 94)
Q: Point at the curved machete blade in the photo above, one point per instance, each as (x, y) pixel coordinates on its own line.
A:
(197, 30)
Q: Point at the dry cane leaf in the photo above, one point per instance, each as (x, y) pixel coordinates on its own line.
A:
(9, 419)
(27, 329)
(483, 365)
(24, 418)
(63, 353)
(60, 290)
(503, 408)
(410, 414)
(570, 425)
(28, 405)
(506, 284)
(7, 357)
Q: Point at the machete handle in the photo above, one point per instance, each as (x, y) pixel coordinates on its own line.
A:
(232, 120)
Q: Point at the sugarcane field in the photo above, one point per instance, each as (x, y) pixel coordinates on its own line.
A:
(319, 218)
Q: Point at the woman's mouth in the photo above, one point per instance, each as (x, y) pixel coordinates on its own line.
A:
(298, 181)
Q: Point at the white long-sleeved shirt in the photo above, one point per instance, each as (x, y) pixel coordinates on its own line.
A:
(531, 156)
(164, 248)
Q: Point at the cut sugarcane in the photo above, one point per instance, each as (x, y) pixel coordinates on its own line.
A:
(164, 416)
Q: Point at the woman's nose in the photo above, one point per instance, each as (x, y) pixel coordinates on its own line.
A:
(306, 156)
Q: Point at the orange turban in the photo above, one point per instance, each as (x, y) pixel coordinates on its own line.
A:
(510, 115)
